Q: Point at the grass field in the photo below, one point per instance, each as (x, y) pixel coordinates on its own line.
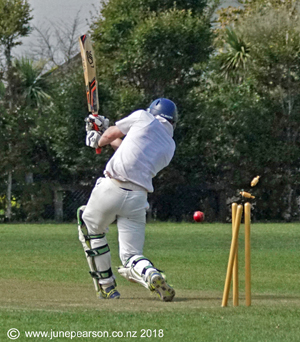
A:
(45, 285)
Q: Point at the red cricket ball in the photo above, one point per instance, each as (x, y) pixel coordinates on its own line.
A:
(198, 216)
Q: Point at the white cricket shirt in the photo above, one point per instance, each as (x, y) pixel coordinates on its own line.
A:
(146, 149)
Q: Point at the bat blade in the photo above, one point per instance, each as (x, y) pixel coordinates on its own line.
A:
(89, 71)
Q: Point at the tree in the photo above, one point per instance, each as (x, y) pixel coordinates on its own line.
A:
(148, 49)
(267, 117)
(276, 46)
(14, 24)
(236, 56)
(31, 93)
(31, 83)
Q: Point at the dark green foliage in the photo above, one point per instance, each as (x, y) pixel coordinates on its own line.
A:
(266, 136)
(238, 107)
(31, 84)
(15, 17)
(236, 58)
(148, 49)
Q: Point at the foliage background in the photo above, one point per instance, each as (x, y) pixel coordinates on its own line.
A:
(235, 81)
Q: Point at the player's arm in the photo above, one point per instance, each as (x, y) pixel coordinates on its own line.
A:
(111, 136)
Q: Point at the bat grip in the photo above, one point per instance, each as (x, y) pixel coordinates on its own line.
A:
(96, 128)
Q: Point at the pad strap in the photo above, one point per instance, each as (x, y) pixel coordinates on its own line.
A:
(141, 259)
(92, 237)
(137, 260)
(97, 251)
(102, 274)
(146, 268)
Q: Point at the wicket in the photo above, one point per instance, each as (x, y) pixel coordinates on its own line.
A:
(232, 268)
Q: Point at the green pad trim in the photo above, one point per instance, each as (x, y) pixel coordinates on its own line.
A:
(91, 237)
(98, 251)
(102, 275)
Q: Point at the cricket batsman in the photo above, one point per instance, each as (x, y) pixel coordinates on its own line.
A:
(121, 195)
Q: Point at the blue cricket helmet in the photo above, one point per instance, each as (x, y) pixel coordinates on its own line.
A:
(165, 108)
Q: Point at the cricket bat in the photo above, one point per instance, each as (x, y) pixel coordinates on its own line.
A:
(89, 71)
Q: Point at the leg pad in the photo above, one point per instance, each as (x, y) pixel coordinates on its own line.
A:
(101, 274)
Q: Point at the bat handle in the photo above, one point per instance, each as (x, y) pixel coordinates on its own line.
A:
(98, 150)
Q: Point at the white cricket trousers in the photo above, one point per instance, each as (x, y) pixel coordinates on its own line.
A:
(107, 203)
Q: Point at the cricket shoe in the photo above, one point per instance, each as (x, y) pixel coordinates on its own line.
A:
(157, 282)
(110, 292)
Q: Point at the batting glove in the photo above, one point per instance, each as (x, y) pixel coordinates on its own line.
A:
(92, 139)
(100, 121)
